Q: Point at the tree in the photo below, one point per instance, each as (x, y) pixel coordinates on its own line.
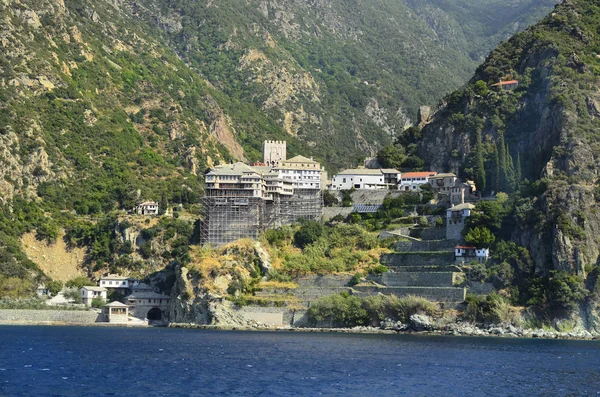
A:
(309, 232)
(391, 156)
(79, 282)
(54, 286)
(480, 237)
(479, 171)
(329, 199)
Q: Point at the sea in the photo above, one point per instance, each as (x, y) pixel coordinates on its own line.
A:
(106, 361)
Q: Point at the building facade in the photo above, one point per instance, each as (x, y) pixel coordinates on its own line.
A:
(411, 181)
(148, 305)
(241, 200)
(88, 294)
(274, 152)
(456, 218)
(442, 183)
(147, 208)
(116, 312)
(361, 178)
(465, 254)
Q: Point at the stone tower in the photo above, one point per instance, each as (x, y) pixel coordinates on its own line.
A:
(274, 152)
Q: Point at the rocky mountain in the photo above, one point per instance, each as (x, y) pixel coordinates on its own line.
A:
(541, 136)
(104, 103)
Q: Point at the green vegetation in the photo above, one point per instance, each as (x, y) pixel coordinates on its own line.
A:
(312, 248)
(346, 310)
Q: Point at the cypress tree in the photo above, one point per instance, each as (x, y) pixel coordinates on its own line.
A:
(479, 163)
(503, 171)
(519, 175)
(496, 181)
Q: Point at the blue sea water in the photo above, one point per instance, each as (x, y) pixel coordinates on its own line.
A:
(92, 361)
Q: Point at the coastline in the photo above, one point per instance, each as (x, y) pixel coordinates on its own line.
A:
(492, 332)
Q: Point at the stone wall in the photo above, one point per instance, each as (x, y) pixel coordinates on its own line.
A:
(276, 316)
(49, 316)
(428, 245)
(415, 279)
(480, 288)
(334, 280)
(434, 294)
(429, 233)
(418, 259)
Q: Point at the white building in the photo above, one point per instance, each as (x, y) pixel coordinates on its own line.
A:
(147, 208)
(116, 312)
(361, 178)
(88, 294)
(234, 180)
(304, 173)
(411, 181)
(464, 254)
(116, 282)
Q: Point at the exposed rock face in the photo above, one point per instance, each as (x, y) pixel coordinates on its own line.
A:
(192, 305)
(264, 259)
(543, 125)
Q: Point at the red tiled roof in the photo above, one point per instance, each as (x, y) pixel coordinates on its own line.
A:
(506, 83)
(417, 174)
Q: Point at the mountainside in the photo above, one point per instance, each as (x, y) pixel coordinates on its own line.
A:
(544, 131)
(106, 103)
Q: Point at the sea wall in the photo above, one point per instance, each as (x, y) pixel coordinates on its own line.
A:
(48, 316)
(274, 316)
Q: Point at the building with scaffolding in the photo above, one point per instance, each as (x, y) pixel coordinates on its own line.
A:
(242, 201)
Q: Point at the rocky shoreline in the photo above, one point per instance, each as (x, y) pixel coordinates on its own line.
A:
(456, 329)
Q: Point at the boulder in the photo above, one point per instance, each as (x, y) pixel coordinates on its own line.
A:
(421, 322)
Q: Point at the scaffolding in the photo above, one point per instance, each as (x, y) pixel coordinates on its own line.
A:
(227, 219)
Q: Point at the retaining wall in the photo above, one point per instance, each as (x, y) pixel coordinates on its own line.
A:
(434, 294)
(426, 245)
(276, 316)
(416, 279)
(418, 259)
(429, 233)
(49, 316)
(334, 280)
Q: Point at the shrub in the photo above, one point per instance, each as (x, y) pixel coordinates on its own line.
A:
(98, 302)
(342, 310)
(378, 269)
(490, 309)
(79, 282)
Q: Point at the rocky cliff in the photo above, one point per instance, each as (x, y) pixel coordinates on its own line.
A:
(544, 130)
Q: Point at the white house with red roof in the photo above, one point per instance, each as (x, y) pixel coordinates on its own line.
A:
(410, 181)
(465, 253)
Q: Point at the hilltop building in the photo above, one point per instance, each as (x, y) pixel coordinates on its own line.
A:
(241, 200)
(366, 178)
(456, 218)
(147, 208)
(507, 85)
